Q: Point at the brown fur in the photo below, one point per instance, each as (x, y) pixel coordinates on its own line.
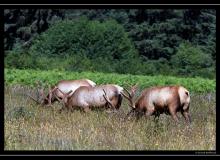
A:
(151, 102)
(54, 94)
(87, 97)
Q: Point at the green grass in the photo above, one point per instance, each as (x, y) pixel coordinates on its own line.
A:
(29, 77)
(31, 127)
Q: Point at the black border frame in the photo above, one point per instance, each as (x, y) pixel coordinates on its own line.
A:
(106, 153)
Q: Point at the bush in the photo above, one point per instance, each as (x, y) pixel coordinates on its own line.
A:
(192, 61)
(86, 45)
(83, 37)
(79, 45)
(19, 60)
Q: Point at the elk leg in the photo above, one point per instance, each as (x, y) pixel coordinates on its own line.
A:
(185, 113)
(61, 109)
(49, 99)
(71, 109)
(149, 112)
(175, 118)
(157, 116)
(174, 115)
(108, 110)
(187, 116)
(64, 108)
(172, 109)
(86, 109)
(119, 101)
(116, 104)
(138, 114)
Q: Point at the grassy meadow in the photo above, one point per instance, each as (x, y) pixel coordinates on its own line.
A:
(32, 127)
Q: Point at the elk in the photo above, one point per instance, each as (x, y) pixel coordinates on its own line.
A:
(161, 99)
(58, 91)
(99, 96)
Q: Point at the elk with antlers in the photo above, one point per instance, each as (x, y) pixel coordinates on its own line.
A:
(157, 100)
(98, 96)
(58, 91)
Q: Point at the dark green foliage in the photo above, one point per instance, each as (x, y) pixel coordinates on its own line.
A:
(136, 41)
(191, 60)
(80, 45)
(83, 37)
(24, 24)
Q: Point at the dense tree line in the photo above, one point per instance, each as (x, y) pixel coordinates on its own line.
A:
(157, 41)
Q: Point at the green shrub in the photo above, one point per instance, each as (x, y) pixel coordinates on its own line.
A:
(83, 37)
(85, 45)
(191, 60)
(79, 45)
(19, 60)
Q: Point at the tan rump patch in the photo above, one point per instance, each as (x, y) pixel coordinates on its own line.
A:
(184, 98)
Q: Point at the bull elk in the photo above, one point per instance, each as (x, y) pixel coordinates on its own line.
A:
(58, 91)
(99, 96)
(157, 100)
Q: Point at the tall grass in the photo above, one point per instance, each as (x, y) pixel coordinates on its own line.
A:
(31, 127)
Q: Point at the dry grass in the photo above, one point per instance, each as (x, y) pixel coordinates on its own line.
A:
(31, 127)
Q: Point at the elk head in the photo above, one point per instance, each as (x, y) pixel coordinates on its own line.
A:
(41, 98)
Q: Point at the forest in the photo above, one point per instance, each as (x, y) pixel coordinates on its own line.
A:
(175, 42)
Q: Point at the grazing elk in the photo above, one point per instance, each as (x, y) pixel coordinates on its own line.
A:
(99, 96)
(157, 100)
(58, 91)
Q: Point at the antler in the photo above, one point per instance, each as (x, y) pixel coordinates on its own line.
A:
(38, 94)
(107, 99)
(40, 90)
(41, 95)
(65, 95)
(51, 92)
(60, 100)
(130, 95)
(37, 84)
(33, 98)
